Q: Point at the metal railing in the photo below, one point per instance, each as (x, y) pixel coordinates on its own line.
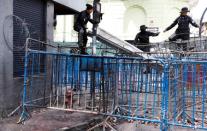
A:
(93, 84)
(167, 92)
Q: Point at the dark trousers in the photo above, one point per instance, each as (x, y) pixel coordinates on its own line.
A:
(182, 36)
(145, 49)
(82, 40)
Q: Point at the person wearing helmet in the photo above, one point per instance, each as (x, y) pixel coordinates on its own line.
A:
(183, 30)
(81, 27)
(141, 40)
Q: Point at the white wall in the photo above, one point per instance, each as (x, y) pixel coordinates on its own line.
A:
(78, 5)
(64, 30)
(122, 18)
(197, 9)
(134, 16)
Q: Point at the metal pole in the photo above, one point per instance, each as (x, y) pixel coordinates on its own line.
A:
(97, 18)
(201, 20)
(24, 113)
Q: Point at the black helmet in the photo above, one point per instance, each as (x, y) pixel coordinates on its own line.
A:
(89, 7)
(143, 27)
(184, 9)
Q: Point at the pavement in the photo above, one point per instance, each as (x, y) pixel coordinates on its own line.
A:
(146, 127)
(54, 120)
(50, 120)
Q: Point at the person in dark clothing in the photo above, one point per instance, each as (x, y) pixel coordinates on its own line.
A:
(183, 30)
(142, 42)
(142, 39)
(81, 27)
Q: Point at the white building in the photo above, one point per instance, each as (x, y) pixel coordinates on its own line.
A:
(123, 17)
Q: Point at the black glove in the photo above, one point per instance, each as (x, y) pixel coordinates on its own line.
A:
(101, 16)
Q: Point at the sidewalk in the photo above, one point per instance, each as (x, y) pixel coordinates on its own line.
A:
(49, 120)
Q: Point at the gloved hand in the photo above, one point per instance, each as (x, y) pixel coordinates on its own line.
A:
(101, 16)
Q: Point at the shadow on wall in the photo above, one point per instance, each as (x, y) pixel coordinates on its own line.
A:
(133, 18)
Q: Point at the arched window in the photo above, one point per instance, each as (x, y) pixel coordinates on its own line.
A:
(133, 18)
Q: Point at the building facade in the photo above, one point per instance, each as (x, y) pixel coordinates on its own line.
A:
(123, 17)
(20, 19)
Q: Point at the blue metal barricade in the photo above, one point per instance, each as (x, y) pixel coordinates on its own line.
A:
(187, 94)
(169, 94)
(131, 88)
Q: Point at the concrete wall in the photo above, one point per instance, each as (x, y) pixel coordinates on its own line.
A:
(49, 23)
(10, 88)
(6, 60)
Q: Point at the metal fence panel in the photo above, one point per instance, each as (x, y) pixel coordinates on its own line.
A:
(170, 93)
(187, 94)
(128, 88)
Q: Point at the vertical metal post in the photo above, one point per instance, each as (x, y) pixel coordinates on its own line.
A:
(64, 29)
(165, 84)
(25, 114)
(201, 21)
(117, 84)
(184, 75)
(130, 86)
(97, 18)
(203, 93)
(194, 93)
(140, 64)
(103, 86)
(155, 82)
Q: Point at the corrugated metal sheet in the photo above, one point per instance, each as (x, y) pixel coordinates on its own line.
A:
(33, 13)
(119, 44)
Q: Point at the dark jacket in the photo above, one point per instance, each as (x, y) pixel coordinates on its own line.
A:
(82, 20)
(183, 24)
(143, 37)
(142, 40)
